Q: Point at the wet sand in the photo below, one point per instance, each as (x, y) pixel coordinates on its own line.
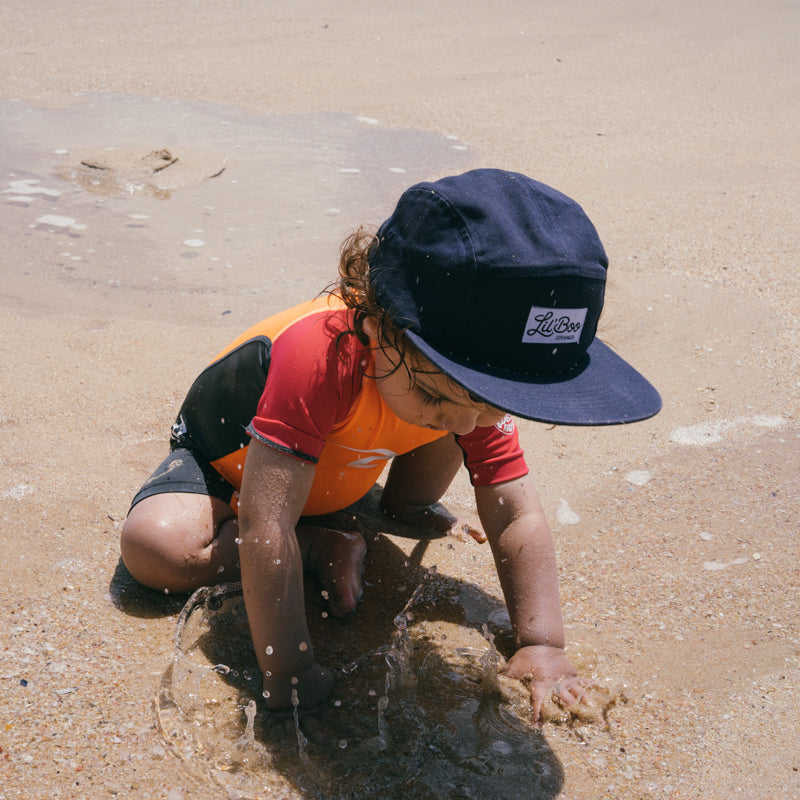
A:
(675, 127)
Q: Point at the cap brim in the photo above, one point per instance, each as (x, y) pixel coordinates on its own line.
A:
(604, 390)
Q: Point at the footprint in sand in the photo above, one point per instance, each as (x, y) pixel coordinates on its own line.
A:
(153, 172)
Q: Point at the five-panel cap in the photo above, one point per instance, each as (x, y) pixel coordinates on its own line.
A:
(499, 281)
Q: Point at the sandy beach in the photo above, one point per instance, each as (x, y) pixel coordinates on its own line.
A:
(125, 270)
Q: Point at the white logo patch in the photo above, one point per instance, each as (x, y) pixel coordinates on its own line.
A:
(506, 425)
(554, 325)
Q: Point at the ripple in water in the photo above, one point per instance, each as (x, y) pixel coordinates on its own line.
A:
(421, 714)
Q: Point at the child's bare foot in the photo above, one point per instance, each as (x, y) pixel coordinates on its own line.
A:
(337, 559)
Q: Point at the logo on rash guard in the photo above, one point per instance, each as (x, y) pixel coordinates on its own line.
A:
(371, 458)
(506, 425)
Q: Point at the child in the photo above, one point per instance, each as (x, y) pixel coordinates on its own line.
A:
(477, 298)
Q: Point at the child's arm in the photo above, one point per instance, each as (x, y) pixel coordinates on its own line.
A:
(274, 489)
(515, 524)
(418, 479)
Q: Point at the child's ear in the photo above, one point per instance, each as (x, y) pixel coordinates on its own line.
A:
(370, 327)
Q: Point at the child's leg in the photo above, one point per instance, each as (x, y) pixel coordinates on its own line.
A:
(179, 541)
(417, 480)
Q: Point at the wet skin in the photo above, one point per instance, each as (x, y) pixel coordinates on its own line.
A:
(179, 542)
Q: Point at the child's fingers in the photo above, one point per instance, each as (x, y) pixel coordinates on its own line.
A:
(571, 696)
(538, 693)
(573, 692)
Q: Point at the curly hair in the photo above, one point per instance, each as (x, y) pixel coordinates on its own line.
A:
(357, 292)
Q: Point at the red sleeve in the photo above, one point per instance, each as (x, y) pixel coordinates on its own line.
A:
(493, 455)
(311, 385)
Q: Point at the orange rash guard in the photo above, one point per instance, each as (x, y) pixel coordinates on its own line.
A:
(299, 382)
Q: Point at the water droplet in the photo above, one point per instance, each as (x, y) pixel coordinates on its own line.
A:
(303, 646)
(220, 569)
(277, 561)
(294, 680)
(265, 694)
(237, 540)
(342, 744)
(325, 594)
(269, 650)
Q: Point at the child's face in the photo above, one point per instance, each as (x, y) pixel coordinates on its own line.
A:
(424, 396)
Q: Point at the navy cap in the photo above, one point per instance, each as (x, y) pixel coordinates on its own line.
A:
(499, 281)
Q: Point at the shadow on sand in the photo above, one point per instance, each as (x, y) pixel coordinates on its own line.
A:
(417, 710)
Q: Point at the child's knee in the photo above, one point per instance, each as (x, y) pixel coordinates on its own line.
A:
(147, 550)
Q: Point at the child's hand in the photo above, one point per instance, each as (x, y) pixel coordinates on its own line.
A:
(313, 685)
(542, 667)
(434, 516)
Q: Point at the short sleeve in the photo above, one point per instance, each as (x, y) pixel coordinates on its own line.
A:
(312, 382)
(493, 454)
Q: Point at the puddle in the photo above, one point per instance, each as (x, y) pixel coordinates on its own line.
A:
(169, 196)
(131, 171)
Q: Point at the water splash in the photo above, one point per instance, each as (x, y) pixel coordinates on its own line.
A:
(302, 741)
(421, 714)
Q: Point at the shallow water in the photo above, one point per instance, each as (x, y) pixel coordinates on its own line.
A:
(421, 715)
(237, 210)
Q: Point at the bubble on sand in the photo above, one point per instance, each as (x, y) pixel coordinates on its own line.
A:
(716, 566)
(709, 432)
(29, 186)
(16, 492)
(565, 515)
(194, 243)
(638, 477)
(56, 221)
